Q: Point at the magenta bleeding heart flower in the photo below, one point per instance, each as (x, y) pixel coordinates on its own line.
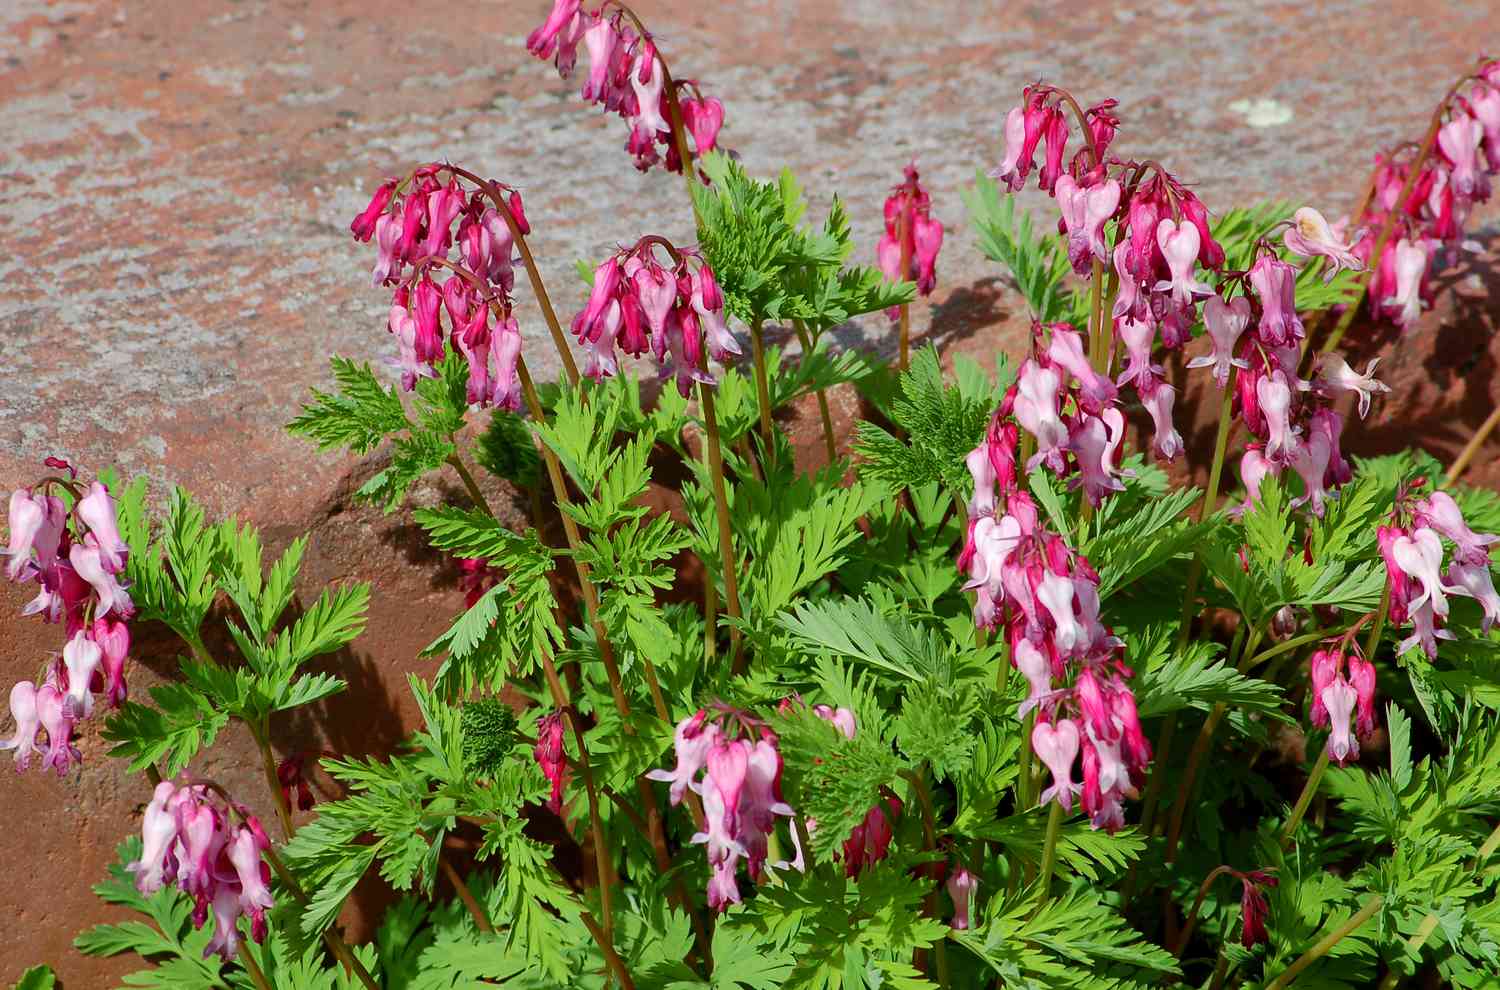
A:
(1342, 697)
(551, 757)
(1254, 905)
(911, 235)
(638, 304)
(740, 785)
(188, 836)
(628, 77)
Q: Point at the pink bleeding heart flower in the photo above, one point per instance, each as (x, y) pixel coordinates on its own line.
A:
(1036, 409)
(599, 40)
(1311, 236)
(1484, 103)
(388, 231)
(88, 563)
(1275, 284)
(962, 886)
(1225, 322)
(23, 708)
(692, 741)
(1323, 667)
(721, 343)
(28, 513)
(81, 658)
(1410, 268)
(1066, 351)
(841, 718)
(1036, 668)
(226, 909)
(1055, 594)
(703, 119)
(1085, 210)
(1335, 375)
(1459, 142)
(52, 711)
(1158, 402)
(1420, 556)
(1474, 581)
(443, 206)
(589, 323)
(1179, 244)
(1274, 397)
(244, 853)
(983, 473)
(365, 224)
(1057, 747)
(1138, 337)
(158, 831)
(97, 510)
(1310, 460)
(1442, 513)
(994, 540)
(646, 80)
(543, 42)
(551, 757)
(1094, 445)
(1362, 679)
(504, 360)
(1339, 698)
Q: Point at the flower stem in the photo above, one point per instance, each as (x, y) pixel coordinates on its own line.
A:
(1024, 797)
(1472, 447)
(611, 957)
(1292, 644)
(1097, 350)
(1379, 627)
(1221, 970)
(475, 494)
(1326, 943)
(1314, 777)
(466, 896)
(762, 384)
(1049, 850)
(726, 533)
(262, 735)
(1192, 918)
(1210, 499)
(331, 937)
(822, 394)
(257, 975)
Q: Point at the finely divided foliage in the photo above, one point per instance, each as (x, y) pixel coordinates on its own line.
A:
(975, 694)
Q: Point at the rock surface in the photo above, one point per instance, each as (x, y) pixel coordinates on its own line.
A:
(178, 180)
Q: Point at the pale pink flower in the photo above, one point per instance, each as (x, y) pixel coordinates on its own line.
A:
(1339, 698)
(1085, 210)
(1225, 322)
(23, 708)
(87, 561)
(1179, 243)
(81, 658)
(1057, 747)
(1411, 266)
(1459, 141)
(962, 886)
(1158, 402)
(1442, 513)
(1036, 410)
(1311, 236)
(1065, 350)
(1138, 337)
(1335, 375)
(1474, 581)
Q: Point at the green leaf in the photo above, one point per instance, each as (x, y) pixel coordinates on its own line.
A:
(1038, 262)
(358, 416)
(37, 978)
(183, 722)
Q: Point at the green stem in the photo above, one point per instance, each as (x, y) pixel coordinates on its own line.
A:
(1192, 918)
(918, 782)
(1326, 944)
(475, 495)
(1413, 945)
(808, 345)
(1472, 447)
(481, 920)
(1488, 849)
(726, 531)
(1221, 970)
(1024, 797)
(1293, 644)
(762, 385)
(1305, 798)
(1049, 850)
(1210, 499)
(1373, 641)
(257, 975)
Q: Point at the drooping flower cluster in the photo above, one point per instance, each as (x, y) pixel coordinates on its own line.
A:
(551, 756)
(1260, 334)
(77, 557)
(188, 838)
(1449, 182)
(1160, 236)
(626, 76)
(741, 791)
(1045, 596)
(419, 222)
(1412, 545)
(640, 305)
(1071, 411)
(911, 233)
(1342, 683)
